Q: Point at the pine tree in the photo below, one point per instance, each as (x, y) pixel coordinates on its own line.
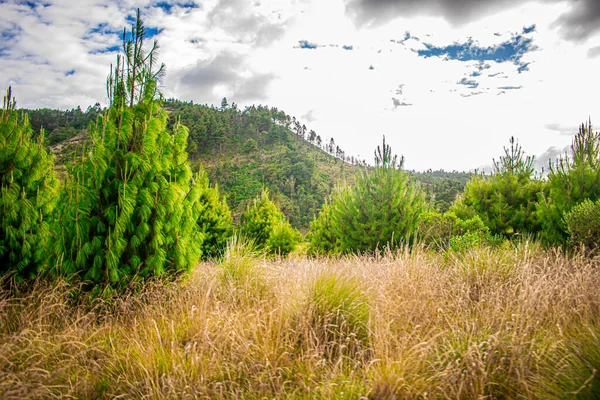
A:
(264, 223)
(214, 220)
(322, 236)
(506, 201)
(130, 205)
(570, 182)
(27, 195)
(381, 209)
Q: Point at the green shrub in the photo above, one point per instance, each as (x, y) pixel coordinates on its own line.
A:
(380, 210)
(436, 229)
(283, 239)
(506, 200)
(442, 231)
(214, 221)
(250, 146)
(583, 225)
(28, 193)
(264, 223)
(469, 240)
(321, 236)
(570, 182)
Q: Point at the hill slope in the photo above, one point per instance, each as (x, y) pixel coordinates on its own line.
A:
(246, 150)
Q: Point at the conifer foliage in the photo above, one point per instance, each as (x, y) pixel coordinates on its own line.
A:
(264, 223)
(130, 206)
(570, 182)
(506, 201)
(583, 225)
(27, 195)
(381, 209)
(215, 220)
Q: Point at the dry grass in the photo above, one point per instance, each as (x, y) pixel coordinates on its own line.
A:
(490, 323)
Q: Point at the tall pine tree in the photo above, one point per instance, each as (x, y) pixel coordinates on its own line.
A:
(27, 195)
(130, 204)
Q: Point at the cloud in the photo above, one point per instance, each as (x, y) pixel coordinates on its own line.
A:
(226, 75)
(471, 94)
(399, 103)
(567, 130)
(52, 53)
(375, 12)
(470, 83)
(592, 53)
(248, 22)
(309, 116)
(305, 44)
(168, 6)
(580, 22)
(553, 153)
(268, 33)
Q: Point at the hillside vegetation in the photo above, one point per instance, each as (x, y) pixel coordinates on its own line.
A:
(246, 150)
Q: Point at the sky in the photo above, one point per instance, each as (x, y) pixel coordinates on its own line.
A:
(448, 82)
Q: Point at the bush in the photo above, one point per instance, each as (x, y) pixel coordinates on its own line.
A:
(264, 223)
(283, 239)
(442, 231)
(27, 196)
(380, 210)
(469, 240)
(506, 201)
(250, 146)
(321, 236)
(583, 225)
(215, 221)
(570, 182)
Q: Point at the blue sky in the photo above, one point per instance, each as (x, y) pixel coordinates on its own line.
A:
(448, 83)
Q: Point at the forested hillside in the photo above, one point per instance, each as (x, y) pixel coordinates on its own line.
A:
(246, 150)
(443, 187)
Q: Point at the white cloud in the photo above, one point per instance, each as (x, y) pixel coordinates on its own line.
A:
(246, 51)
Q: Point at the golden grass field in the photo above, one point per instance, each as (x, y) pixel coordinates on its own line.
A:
(506, 323)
